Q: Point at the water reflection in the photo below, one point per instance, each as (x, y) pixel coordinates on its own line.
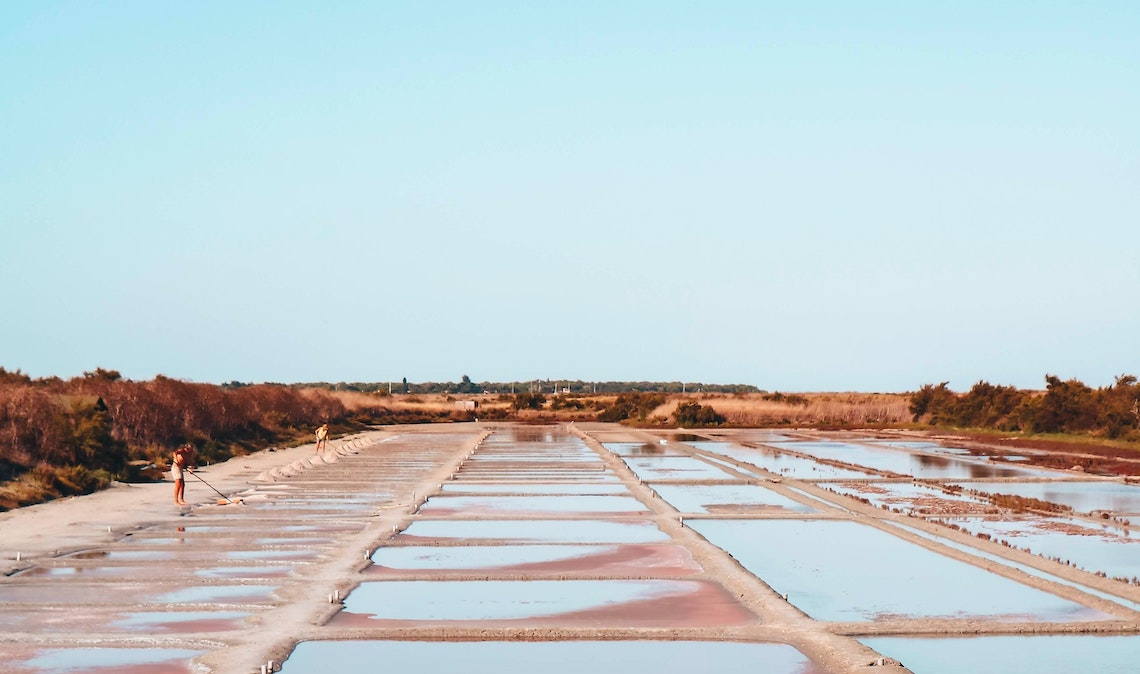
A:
(903, 462)
(1084, 497)
(1114, 552)
(780, 463)
(108, 660)
(675, 468)
(1058, 654)
(560, 657)
(878, 576)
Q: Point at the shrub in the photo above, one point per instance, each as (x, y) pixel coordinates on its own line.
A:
(690, 414)
(528, 401)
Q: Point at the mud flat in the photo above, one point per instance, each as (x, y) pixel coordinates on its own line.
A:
(492, 547)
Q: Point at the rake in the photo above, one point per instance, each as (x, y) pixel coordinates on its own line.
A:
(222, 501)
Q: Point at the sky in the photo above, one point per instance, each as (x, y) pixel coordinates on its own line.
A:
(801, 196)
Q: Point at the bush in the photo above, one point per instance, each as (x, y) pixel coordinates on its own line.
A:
(691, 414)
(632, 406)
(528, 401)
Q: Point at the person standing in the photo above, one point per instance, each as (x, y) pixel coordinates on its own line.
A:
(179, 464)
(322, 438)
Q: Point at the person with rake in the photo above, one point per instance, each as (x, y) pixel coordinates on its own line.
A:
(179, 464)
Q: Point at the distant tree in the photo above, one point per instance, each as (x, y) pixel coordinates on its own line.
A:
(1119, 407)
(931, 399)
(465, 385)
(1066, 406)
(786, 398)
(528, 401)
(988, 406)
(633, 405)
(690, 414)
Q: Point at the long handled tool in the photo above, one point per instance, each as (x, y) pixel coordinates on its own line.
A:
(222, 501)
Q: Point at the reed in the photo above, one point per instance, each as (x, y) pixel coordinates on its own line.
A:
(844, 409)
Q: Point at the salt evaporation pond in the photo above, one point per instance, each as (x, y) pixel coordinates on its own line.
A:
(41, 621)
(1115, 552)
(655, 468)
(437, 505)
(914, 464)
(560, 473)
(180, 622)
(781, 463)
(639, 449)
(1082, 497)
(845, 571)
(511, 561)
(724, 498)
(233, 594)
(537, 459)
(78, 592)
(572, 488)
(916, 498)
(437, 558)
(594, 603)
(923, 446)
(1038, 573)
(558, 657)
(1045, 654)
(21, 660)
(535, 531)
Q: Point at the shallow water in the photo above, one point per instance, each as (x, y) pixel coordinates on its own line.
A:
(238, 594)
(583, 603)
(905, 496)
(914, 464)
(253, 572)
(72, 572)
(537, 458)
(100, 660)
(180, 621)
(573, 488)
(1115, 552)
(478, 556)
(655, 468)
(879, 576)
(726, 498)
(781, 463)
(536, 531)
(592, 475)
(924, 446)
(639, 449)
(1135, 606)
(270, 554)
(532, 504)
(1053, 654)
(560, 657)
(1083, 497)
(657, 559)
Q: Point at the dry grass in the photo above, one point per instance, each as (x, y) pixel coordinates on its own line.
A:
(432, 403)
(848, 409)
(752, 409)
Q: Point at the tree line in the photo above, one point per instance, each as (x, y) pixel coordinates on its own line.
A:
(466, 386)
(1065, 406)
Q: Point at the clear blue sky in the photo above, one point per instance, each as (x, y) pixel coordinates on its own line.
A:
(799, 195)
